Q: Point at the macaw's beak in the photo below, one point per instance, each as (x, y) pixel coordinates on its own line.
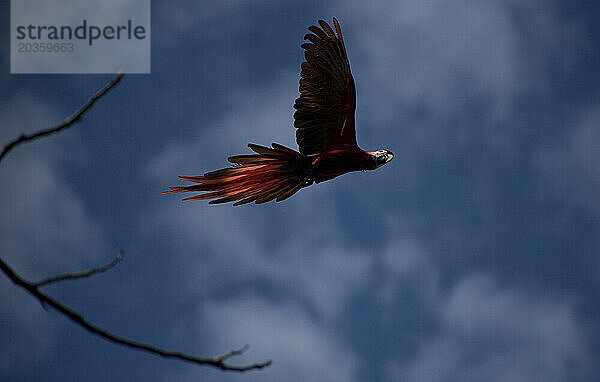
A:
(382, 157)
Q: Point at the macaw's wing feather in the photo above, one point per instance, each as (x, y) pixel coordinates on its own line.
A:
(271, 173)
(324, 113)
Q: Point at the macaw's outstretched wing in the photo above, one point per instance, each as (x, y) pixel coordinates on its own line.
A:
(324, 113)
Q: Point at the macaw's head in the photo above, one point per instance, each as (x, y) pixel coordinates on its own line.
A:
(381, 157)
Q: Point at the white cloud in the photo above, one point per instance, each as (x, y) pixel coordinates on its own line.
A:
(571, 164)
(301, 349)
(451, 60)
(221, 246)
(494, 333)
(409, 266)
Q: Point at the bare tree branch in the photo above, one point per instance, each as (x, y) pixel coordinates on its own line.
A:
(80, 275)
(218, 362)
(33, 287)
(70, 121)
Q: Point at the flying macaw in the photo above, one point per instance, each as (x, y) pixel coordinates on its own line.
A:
(325, 134)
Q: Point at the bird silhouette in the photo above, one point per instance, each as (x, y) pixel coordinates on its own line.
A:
(325, 133)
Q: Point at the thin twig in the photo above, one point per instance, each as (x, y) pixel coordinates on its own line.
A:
(45, 300)
(218, 362)
(70, 121)
(80, 275)
(233, 353)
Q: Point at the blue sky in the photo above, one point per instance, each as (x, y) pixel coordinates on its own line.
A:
(472, 256)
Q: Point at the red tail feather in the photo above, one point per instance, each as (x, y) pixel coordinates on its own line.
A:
(273, 173)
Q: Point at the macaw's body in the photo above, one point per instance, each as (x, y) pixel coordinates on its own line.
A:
(325, 134)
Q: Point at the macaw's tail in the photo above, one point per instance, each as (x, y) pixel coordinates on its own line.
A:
(272, 173)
